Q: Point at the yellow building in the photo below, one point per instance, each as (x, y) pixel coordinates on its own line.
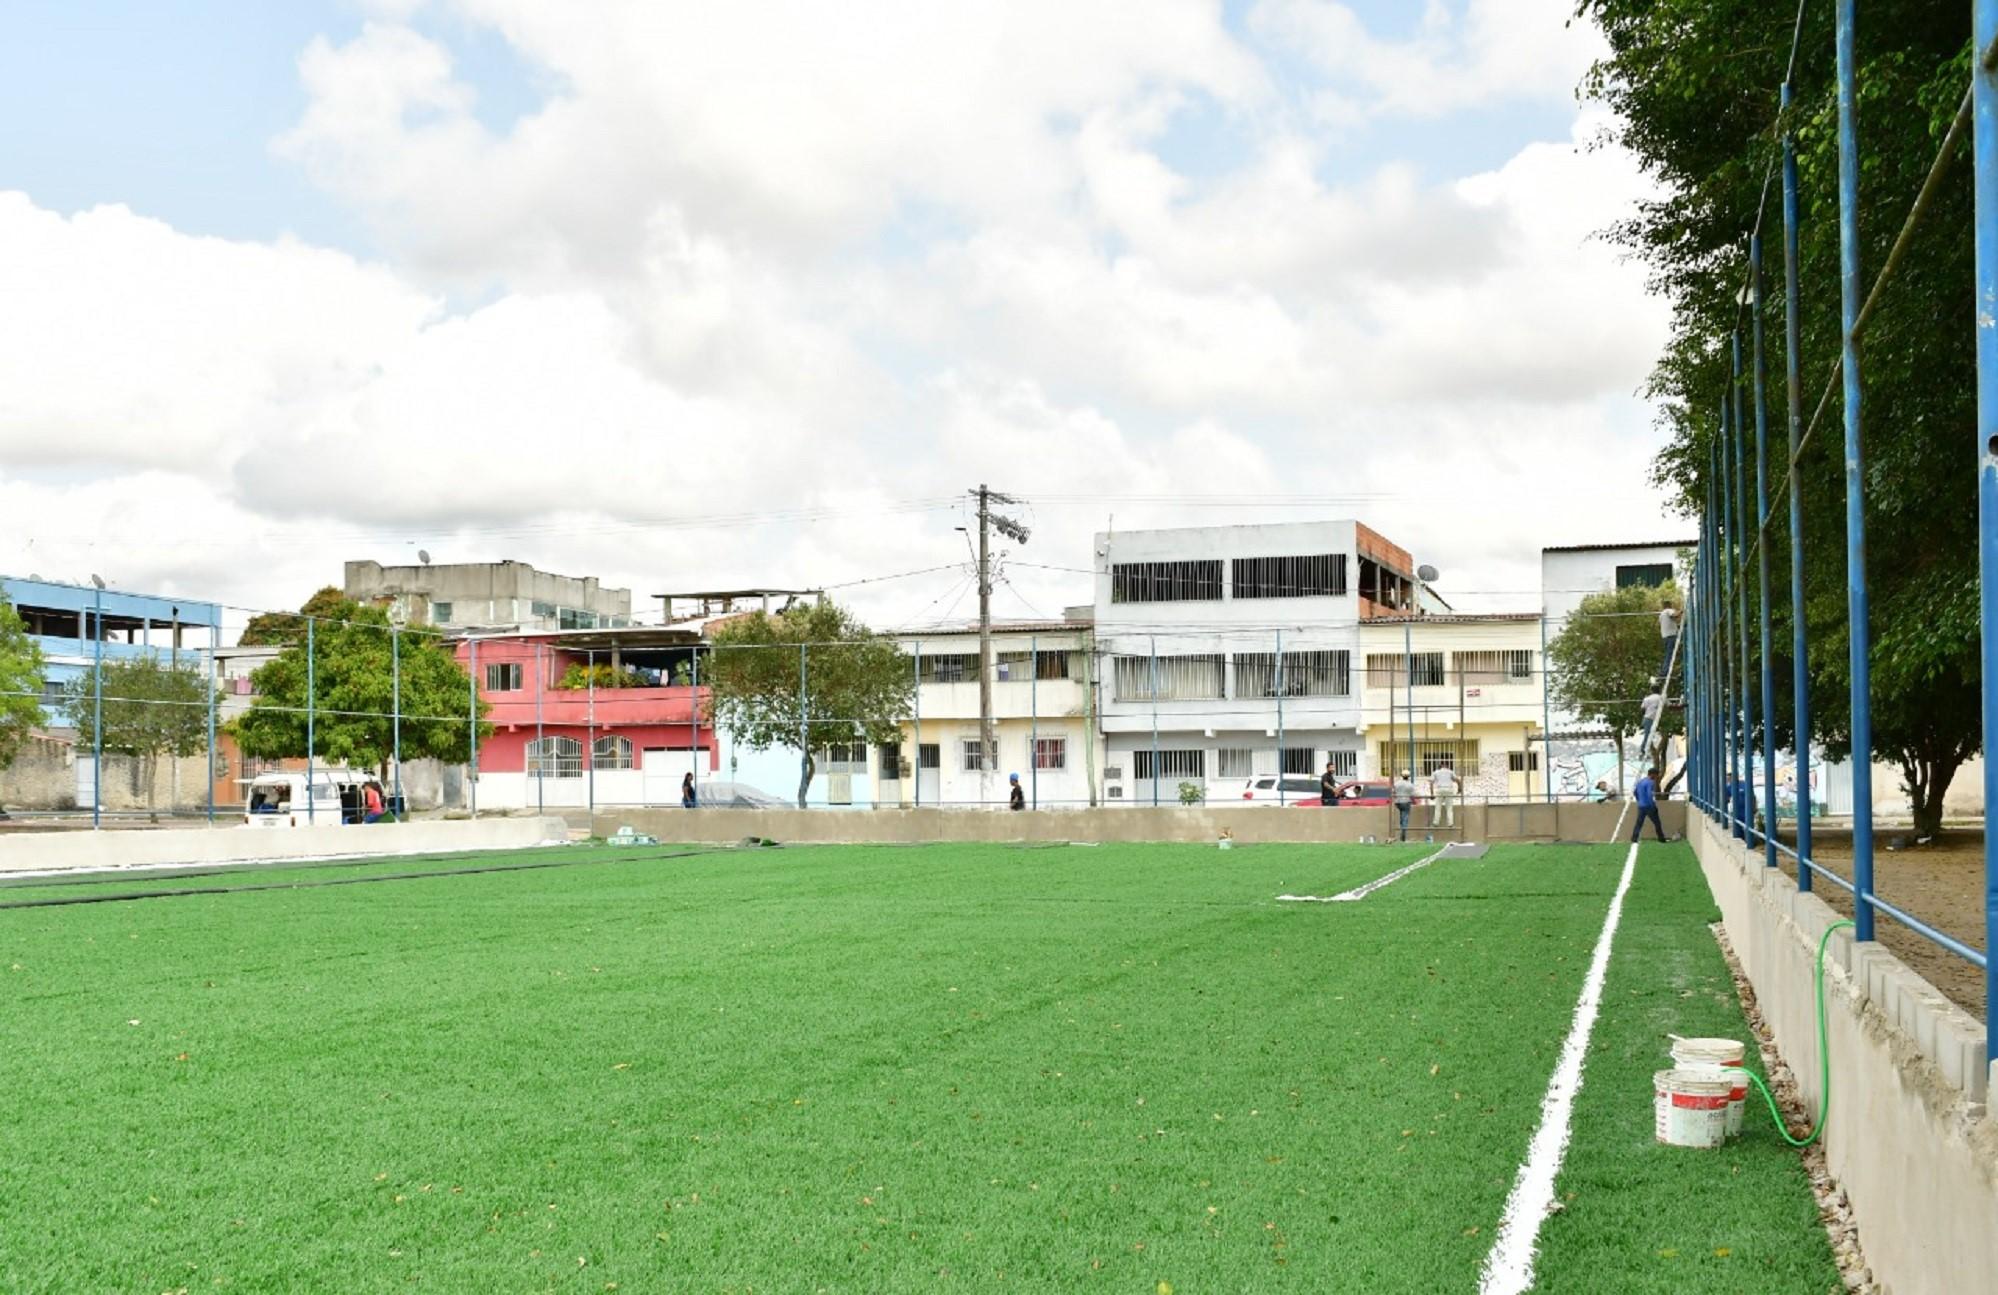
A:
(1457, 687)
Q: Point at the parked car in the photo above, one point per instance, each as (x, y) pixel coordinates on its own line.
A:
(1263, 789)
(278, 799)
(1361, 792)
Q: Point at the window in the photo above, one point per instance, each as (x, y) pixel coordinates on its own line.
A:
(504, 677)
(974, 755)
(52, 692)
(570, 618)
(1648, 575)
(888, 756)
(1050, 753)
(1235, 762)
(844, 757)
(1052, 665)
(949, 667)
(1166, 582)
(1345, 764)
(1297, 759)
(1315, 575)
(930, 755)
(1171, 764)
(543, 611)
(555, 757)
(611, 752)
(1026, 665)
(1479, 669)
(1431, 754)
(254, 765)
(440, 613)
(1522, 761)
(1391, 670)
(1170, 678)
(1302, 674)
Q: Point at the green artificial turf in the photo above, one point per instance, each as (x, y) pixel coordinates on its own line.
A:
(862, 1069)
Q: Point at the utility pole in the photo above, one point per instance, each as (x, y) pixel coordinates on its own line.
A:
(988, 736)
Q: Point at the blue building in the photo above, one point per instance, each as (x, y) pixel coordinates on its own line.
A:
(66, 619)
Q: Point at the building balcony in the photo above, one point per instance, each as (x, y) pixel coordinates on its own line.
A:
(607, 707)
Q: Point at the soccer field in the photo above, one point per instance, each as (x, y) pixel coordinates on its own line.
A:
(951, 1067)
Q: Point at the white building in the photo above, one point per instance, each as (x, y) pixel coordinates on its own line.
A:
(1571, 572)
(1229, 651)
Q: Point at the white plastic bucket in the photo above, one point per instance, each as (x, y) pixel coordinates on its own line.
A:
(1690, 1107)
(1711, 1056)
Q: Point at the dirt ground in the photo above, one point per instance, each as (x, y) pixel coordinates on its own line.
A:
(1941, 883)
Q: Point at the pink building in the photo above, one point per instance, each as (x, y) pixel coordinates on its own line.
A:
(559, 743)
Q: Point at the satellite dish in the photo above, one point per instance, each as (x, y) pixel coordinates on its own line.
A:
(423, 556)
(97, 580)
(1426, 574)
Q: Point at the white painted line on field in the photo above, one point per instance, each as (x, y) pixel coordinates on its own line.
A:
(1361, 892)
(1508, 1269)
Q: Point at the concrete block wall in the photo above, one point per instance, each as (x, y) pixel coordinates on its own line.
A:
(1910, 1135)
(39, 851)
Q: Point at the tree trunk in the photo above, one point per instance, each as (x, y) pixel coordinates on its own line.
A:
(151, 764)
(1926, 780)
(805, 767)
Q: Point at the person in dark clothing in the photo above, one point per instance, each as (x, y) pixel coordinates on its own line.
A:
(1017, 798)
(1328, 787)
(687, 798)
(1646, 796)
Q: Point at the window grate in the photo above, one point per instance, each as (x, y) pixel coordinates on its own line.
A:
(1170, 678)
(1314, 575)
(612, 752)
(1171, 764)
(1166, 582)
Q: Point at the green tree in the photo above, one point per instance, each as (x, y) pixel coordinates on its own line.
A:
(854, 685)
(1601, 664)
(353, 691)
(151, 709)
(282, 629)
(1694, 87)
(20, 684)
(580, 677)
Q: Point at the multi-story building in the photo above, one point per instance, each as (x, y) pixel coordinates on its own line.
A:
(1229, 651)
(1455, 687)
(488, 595)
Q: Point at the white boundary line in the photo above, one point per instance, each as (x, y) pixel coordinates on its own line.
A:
(1361, 892)
(1508, 1269)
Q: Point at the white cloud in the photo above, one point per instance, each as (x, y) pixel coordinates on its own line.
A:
(811, 263)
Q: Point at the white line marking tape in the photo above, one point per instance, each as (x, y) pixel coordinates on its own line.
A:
(1508, 1269)
(1361, 892)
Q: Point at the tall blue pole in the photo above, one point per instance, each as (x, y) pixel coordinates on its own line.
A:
(1546, 721)
(1730, 534)
(395, 712)
(1762, 559)
(97, 721)
(1744, 747)
(472, 725)
(1984, 91)
(1859, 631)
(1279, 716)
(311, 689)
(1793, 380)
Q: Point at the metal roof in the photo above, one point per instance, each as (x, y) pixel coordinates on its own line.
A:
(1633, 544)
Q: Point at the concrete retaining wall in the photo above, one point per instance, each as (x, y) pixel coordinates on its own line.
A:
(1910, 1136)
(1523, 822)
(33, 851)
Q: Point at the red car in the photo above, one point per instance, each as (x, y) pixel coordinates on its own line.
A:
(1365, 791)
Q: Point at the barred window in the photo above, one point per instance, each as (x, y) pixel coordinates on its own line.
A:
(1345, 764)
(1511, 665)
(1391, 670)
(947, 667)
(843, 757)
(1298, 759)
(974, 755)
(612, 752)
(1431, 754)
(555, 757)
(1315, 575)
(1171, 764)
(1322, 673)
(1050, 753)
(1522, 761)
(1170, 678)
(1235, 762)
(1166, 582)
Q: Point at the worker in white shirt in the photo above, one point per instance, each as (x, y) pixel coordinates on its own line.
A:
(1444, 781)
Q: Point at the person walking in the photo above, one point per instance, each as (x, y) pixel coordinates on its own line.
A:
(1646, 796)
(1404, 797)
(1328, 787)
(1668, 631)
(1016, 799)
(1444, 812)
(688, 798)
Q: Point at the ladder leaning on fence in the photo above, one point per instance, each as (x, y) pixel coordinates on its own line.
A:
(1651, 731)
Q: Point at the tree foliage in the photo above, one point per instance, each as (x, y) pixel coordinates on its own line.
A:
(1600, 665)
(282, 629)
(352, 690)
(151, 710)
(580, 677)
(20, 683)
(806, 678)
(1694, 84)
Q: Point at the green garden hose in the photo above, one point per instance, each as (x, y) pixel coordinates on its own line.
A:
(1824, 1059)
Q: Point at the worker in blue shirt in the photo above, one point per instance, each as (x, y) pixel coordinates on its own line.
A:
(1646, 796)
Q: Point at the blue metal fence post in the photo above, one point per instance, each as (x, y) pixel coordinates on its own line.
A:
(694, 718)
(916, 669)
(1859, 631)
(1762, 557)
(804, 727)
(1279, 717)
(590, 726)
(214, 641)
(472, 725)
(1800, 677)
(1984, 89)
(1153, 646)
(1034, 716)
(1730, 533)
(97, 720)
(1744, 749)
(395, 708)
(311, 689)
(1546, 721)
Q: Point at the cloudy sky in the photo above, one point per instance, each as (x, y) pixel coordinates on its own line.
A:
(706, 295)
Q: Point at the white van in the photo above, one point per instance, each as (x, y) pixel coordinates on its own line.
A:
(278, 799)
